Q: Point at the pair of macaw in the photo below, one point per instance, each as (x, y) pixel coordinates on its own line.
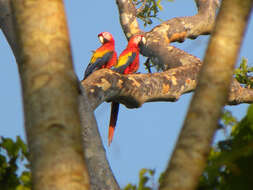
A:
(106, 57)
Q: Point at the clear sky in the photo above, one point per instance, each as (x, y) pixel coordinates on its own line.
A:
(144, 137)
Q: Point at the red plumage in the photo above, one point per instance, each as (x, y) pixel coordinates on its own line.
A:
(103, 57)
(128, 63)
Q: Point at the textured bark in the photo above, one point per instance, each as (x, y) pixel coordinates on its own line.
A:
(98, 167)
(50, 96)
(189, 157)
(135, 89)
(105, 85)
(101, 176)
(6, 24)
(177, 29)
(128, 19)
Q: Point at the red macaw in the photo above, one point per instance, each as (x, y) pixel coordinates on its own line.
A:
(104, 57)
(128, 63)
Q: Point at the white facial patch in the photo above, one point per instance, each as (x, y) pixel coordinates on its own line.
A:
(101, 39)
(143, 39)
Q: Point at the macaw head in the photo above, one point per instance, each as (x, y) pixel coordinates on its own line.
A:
(136, 40)
(105, 37)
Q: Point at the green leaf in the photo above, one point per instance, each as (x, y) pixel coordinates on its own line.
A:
(23, 147)
(148, 11)
(21, 187)
(26, 177)
(159, 5)
(10, 147)
(229, 165)
(11, 155)
(130, 187)
(145, 176)
(243, 74)
(151, 172)
(250, 115)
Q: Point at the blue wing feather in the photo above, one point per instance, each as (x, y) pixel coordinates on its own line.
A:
(98, 63)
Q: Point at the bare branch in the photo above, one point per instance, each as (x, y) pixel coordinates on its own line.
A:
(135, 89)
(6, 24)
(101, 176)
(128, 17)
(176, 29)
(140, 9)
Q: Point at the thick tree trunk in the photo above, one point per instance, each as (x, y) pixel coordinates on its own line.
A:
(50, 96)
(191, 151)
(50, 88)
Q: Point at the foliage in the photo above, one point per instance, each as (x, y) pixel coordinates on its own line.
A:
(230, 165)
(148, 10)
(12, 155)
(244, 74)
(145, 176)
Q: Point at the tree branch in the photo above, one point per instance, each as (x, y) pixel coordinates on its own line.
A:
(6, 24)
(135, 89)
(101, 176)
(176, 29)
(128, 19)
(105, 85)
(140, 9)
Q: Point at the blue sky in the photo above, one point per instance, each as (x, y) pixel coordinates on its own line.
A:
(144, 137)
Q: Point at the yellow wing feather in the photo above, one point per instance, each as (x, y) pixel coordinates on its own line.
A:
(123, 60)
(97, 54)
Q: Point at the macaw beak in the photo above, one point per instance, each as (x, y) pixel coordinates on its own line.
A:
(101, 39)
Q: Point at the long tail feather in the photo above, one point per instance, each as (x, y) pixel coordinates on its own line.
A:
(113, 120)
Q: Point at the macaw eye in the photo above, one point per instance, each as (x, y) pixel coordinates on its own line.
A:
(101, 39)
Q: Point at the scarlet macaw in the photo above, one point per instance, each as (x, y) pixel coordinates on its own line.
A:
(103, 57)
(128, 63)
